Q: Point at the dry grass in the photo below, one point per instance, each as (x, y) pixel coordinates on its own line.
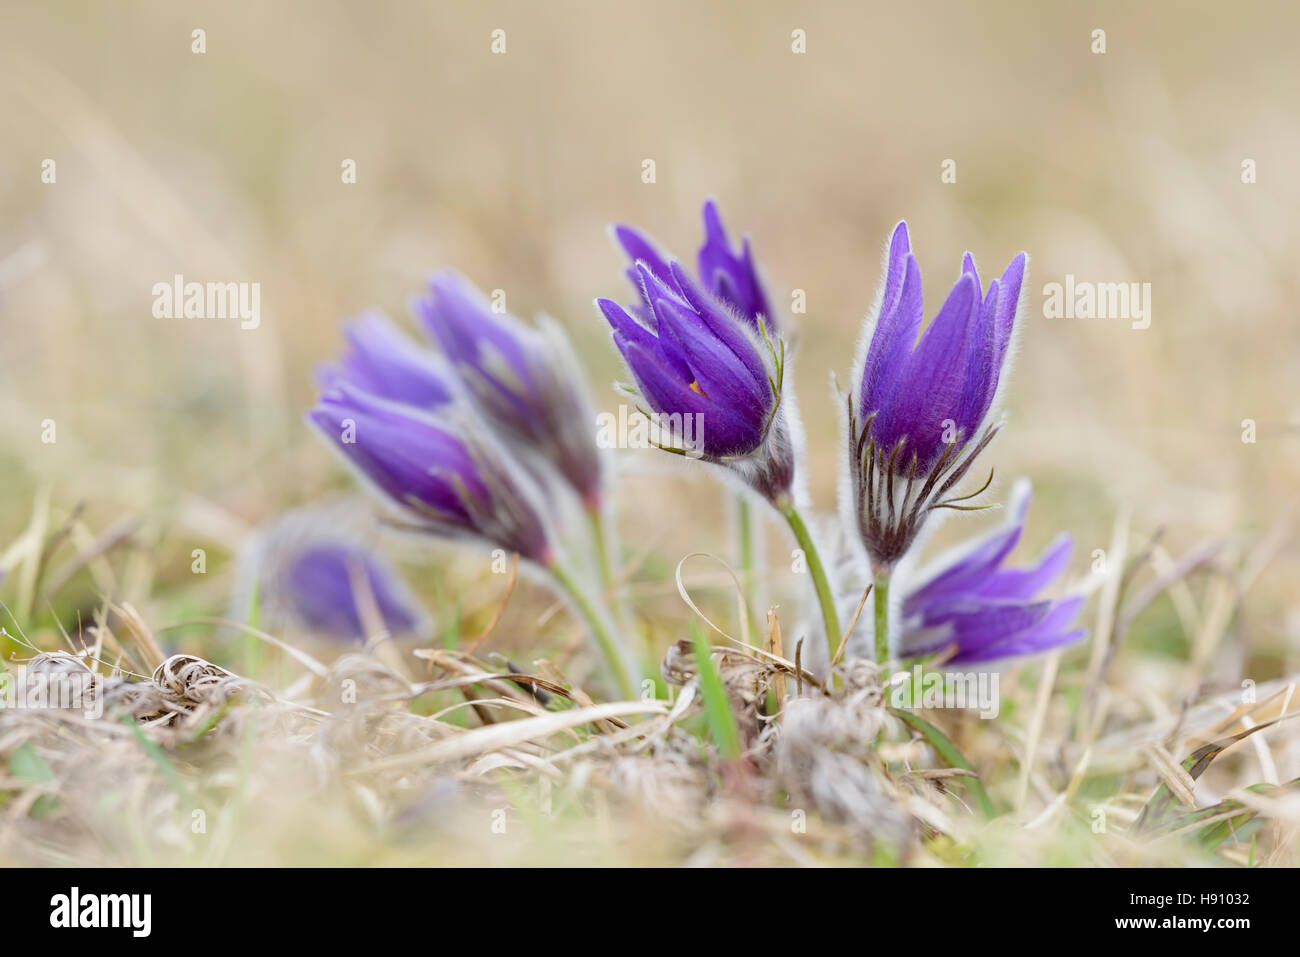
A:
(358, 762)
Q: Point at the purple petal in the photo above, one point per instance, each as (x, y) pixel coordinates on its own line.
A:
(722, 325)
(384, 361)
(625, 326)
(929, 388)
(732, 279)
(1023, 583)
(405, 456)
(1008, 300)
(724, 434)
(976, 564)
(1048, 633)
(714, 367)
(462, 322)
(641, 250)
(318, 584)
(981, 368)
(894, 336)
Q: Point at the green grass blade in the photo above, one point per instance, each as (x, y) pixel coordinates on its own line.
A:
(949, 752)
(717, 708)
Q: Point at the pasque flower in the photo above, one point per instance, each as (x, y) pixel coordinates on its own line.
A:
(321, 585)
(524, 379)
(448, 477)
(440, 471)
(315, 568)
(708, 354)
(985, 611)
(384, 361)
(917, 410)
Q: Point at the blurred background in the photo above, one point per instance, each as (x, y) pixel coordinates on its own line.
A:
(1122, 166)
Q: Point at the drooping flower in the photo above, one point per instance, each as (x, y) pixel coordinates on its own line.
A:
(709, 373)
(526, 380)
(917, 411)
(440, 470)
(382, 360)
(989, 612)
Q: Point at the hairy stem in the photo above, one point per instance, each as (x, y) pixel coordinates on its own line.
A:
(600, 541)
(625, 672)
(881, 594)
(830, 618)
(611, 568)
(747, 551)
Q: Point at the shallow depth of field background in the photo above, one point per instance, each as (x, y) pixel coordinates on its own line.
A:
(1123, 167)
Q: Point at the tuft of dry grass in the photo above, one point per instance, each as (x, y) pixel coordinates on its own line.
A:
(356, 762)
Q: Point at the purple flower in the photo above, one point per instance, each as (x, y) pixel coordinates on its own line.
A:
(324, 585)
(384, 361)
(525, 380)
(917, 410)
(698, 360)
(442, 472)
(990, 612)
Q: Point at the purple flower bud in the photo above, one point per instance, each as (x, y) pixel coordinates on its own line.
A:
(317, 569)
(692, 354)
(383, 361)
(917, 410)
(321, 585)
(987, 611)
(525, 380)
(440, 471)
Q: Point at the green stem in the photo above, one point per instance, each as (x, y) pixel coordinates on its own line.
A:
(830, 618)
(610, 571)
(625, 673)
(881, 594)
(747, 550)
(600, 536)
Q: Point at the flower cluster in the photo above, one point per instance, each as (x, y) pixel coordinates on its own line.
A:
(474, 441)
